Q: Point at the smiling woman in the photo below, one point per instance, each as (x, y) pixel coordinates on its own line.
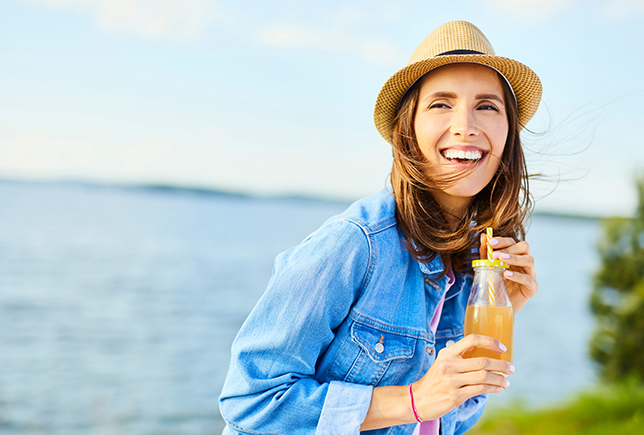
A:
(452, 110)
(361, 327)
(461, 123)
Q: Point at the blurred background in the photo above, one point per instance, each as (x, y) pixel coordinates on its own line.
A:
(155, 156)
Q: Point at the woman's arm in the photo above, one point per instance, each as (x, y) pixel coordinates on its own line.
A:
(271, 385)
(449, 382)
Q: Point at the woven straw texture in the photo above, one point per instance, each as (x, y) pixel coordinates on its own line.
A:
(456, 35)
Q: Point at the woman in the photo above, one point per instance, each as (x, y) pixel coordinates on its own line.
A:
(361, 327)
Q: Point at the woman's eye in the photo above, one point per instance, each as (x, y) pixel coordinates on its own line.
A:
(488, 107)
(439, 106)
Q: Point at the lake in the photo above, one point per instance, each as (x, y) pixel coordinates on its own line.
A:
(119, 305)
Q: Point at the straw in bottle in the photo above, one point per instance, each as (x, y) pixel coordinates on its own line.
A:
(490, 284)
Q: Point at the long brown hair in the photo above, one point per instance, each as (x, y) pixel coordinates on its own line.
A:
(504, 204)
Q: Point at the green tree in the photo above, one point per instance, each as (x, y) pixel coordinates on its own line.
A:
(617, 299)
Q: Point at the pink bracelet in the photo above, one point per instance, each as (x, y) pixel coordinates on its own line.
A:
(413, 405)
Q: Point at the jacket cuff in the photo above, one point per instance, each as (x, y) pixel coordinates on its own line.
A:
(345, 408)
(469, 413)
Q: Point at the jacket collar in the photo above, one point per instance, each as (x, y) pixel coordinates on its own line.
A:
(434, 267)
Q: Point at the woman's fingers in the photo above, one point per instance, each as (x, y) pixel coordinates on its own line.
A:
(489, 364)
(452, 379)
(522, 277)
(522, 271)
(504, 245)
(518, 256)
(472, 371)
(528, 283)
(520, 260)
(473, 341)
(483, 377)
(505, 242)
(495, 243)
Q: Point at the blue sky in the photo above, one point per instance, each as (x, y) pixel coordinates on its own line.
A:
(277, 97)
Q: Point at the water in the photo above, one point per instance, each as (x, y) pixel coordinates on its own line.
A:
(553, 329)
(118, 307)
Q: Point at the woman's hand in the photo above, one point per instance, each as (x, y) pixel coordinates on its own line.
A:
(521, 277)
(452, 379)
(449, 382)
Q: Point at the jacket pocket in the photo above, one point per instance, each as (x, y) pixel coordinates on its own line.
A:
(371, 354)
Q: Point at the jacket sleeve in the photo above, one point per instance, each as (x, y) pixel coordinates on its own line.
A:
(468, 413)
(271, 387)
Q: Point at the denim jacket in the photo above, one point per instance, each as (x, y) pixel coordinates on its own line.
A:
(345, 311)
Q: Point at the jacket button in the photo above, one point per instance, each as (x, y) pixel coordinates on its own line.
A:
(449, 342)
(380, 348)
(430, 350)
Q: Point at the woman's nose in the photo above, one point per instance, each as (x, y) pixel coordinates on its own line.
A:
(464, 124)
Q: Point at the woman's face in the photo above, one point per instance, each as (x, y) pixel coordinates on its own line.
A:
(461, 123)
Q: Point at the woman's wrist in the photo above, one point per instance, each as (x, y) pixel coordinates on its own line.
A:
(390, 406)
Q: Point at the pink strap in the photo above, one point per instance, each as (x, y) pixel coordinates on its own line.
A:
(432, 427)
(413, 405)
(433, 324)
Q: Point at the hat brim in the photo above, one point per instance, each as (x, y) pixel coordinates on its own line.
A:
(524, 82)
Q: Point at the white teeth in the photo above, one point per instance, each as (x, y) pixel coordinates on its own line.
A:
(463, 155)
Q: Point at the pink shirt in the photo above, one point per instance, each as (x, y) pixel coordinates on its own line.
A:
(431, 427)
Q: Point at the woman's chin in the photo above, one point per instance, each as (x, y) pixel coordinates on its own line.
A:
(469, 186)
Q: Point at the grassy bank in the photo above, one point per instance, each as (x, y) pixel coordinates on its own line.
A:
(606, 410)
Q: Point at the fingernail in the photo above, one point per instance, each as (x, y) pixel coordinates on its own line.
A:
(495, 255)
(506, 256)
(509, 273)
(494, 242)
(507, 383)
(503, 348)
(512, 368)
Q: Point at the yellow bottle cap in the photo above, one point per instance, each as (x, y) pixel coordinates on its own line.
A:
(490, 263)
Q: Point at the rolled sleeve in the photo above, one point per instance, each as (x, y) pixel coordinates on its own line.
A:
(345, 408)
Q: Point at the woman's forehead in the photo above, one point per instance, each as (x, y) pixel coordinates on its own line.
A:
(470, 75)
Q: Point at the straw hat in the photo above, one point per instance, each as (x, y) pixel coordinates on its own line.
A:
(456, 42)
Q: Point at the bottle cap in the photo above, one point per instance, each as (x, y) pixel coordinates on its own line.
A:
(490, 263)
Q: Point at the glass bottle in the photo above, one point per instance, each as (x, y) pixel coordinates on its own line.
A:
(489, 311)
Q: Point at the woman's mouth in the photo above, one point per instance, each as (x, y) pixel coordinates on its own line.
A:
(463, 157)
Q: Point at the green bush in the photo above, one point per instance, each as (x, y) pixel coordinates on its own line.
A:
(617, 299)
(610, 409)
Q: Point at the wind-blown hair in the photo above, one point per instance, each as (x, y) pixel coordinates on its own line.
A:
(503, 204)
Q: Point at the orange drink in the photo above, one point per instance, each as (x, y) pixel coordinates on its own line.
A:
(493, 321)
(489, 310)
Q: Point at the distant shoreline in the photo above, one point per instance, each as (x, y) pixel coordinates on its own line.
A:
(206, 191)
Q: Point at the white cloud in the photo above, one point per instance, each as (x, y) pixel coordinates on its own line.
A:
(617, 9)
(331, 39)
(532, 10)
(34, 154)
(175, 20)
(334, 37)
(40, 156)
(141, 156)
